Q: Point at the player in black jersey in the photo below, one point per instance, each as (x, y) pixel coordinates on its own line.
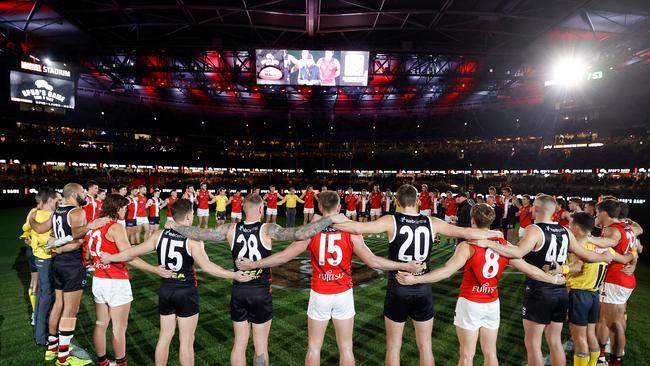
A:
(411, 237)
(251, 303)
(179, 296)
(69, 227)
(546, 243)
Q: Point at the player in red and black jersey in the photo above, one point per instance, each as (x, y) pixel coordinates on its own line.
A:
(179, 297)
(330, 252)
(477, 310)
(411, 237)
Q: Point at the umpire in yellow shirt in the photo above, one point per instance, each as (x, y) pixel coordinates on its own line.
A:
(43, 257)
(291, 200)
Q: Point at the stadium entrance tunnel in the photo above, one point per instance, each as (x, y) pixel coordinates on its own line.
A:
(297, 274)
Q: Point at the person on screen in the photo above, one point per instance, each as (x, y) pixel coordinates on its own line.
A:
(330, 69)
(309, 74)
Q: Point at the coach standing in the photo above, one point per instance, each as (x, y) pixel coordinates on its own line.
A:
(464, 208)
(291, 200)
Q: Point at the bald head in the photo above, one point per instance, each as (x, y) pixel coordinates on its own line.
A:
(74, 194)
(544, 205)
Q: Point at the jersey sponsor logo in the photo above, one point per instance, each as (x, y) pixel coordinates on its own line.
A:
(329, 276)
(484, 289)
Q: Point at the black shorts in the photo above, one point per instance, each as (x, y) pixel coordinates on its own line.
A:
(31, 260)
(221, 215)
(583, 307)
(544, 305)
(363, 214)
(402, 302)
(68, 276)
(178, 299)
(253, 304)
(507, 224)
(131, 222)
(154, 220)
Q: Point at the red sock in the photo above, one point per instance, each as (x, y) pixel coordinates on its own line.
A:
(602, 350)
(615, 360)
(121, 361)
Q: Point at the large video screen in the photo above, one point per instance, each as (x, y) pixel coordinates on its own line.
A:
(309, 67)
(41, 89)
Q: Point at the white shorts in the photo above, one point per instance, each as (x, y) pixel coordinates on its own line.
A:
(271, 211)
(141, 220)
(375, 212)
(615, 294)
(448, 219)
(308, 210)
(122, 222)
(426, 212)
(350, 213)
(235, 215)
(201, 212)
(331, 306)
(472, 315)
(111, 292)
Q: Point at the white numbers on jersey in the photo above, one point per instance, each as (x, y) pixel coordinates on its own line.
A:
(330, 240)
(58, 226)
(491, 267)
(553, 255)
(95, 243)
(631, 239)
(249, 246)
(422, 243)
(168, 253)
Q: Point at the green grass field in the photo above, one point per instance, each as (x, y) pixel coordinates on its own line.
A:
(288, 338)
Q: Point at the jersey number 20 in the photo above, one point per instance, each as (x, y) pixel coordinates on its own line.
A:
(421, 243)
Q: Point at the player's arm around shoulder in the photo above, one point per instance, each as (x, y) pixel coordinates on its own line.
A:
(381, 225)
(586, 254)
(536, 273)
(197, 250)
(461, 255)
(371, 260)
(195, 233)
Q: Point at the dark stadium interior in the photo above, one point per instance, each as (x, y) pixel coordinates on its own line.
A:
(458, 94)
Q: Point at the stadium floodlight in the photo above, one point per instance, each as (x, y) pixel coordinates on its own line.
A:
(567, 71)
(47, 61)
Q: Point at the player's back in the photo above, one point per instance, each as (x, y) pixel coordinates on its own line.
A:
(553, 250)
(174, 253)
(624, 246)
(412, 240)
(330, 252)
(247, 242)
(481, 275)
(62, 228)
(98, 243)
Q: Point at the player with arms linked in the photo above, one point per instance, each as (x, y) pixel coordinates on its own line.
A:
(178, 296)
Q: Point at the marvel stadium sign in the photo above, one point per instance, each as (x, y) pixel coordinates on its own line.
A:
(44, 69)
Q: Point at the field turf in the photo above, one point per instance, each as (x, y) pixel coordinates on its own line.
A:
(288, 340)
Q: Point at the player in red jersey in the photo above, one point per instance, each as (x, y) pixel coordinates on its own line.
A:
(497, 198)
(203, 199)
(351, 205)
(92, 189)
(271, 199)
(141, 219)
(308, 210)
(101, 196)
(169, 201)
(154, 205)
(561, 215)
(424, 201)
(525, 214)
(331, 296)
(618, 284)
(131, 222)
(235, 209)
(376, 197)
(478, 309)
(111, 287)
(451, 207)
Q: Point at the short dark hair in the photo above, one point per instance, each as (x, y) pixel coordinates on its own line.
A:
(112, 205)
(625, 210)
(45, 193)
(407, 195)
(610, 206)
(584, 220)
(328, 200)
(121, 186)
(90, 184)
(181, 208)
(483, 215)
(578, 201)
(561, 202)
(507, 189)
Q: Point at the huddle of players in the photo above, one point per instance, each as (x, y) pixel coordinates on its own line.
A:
(330, 246)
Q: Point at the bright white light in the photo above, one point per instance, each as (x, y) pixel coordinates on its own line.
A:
(47, 61)
(567, 71)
